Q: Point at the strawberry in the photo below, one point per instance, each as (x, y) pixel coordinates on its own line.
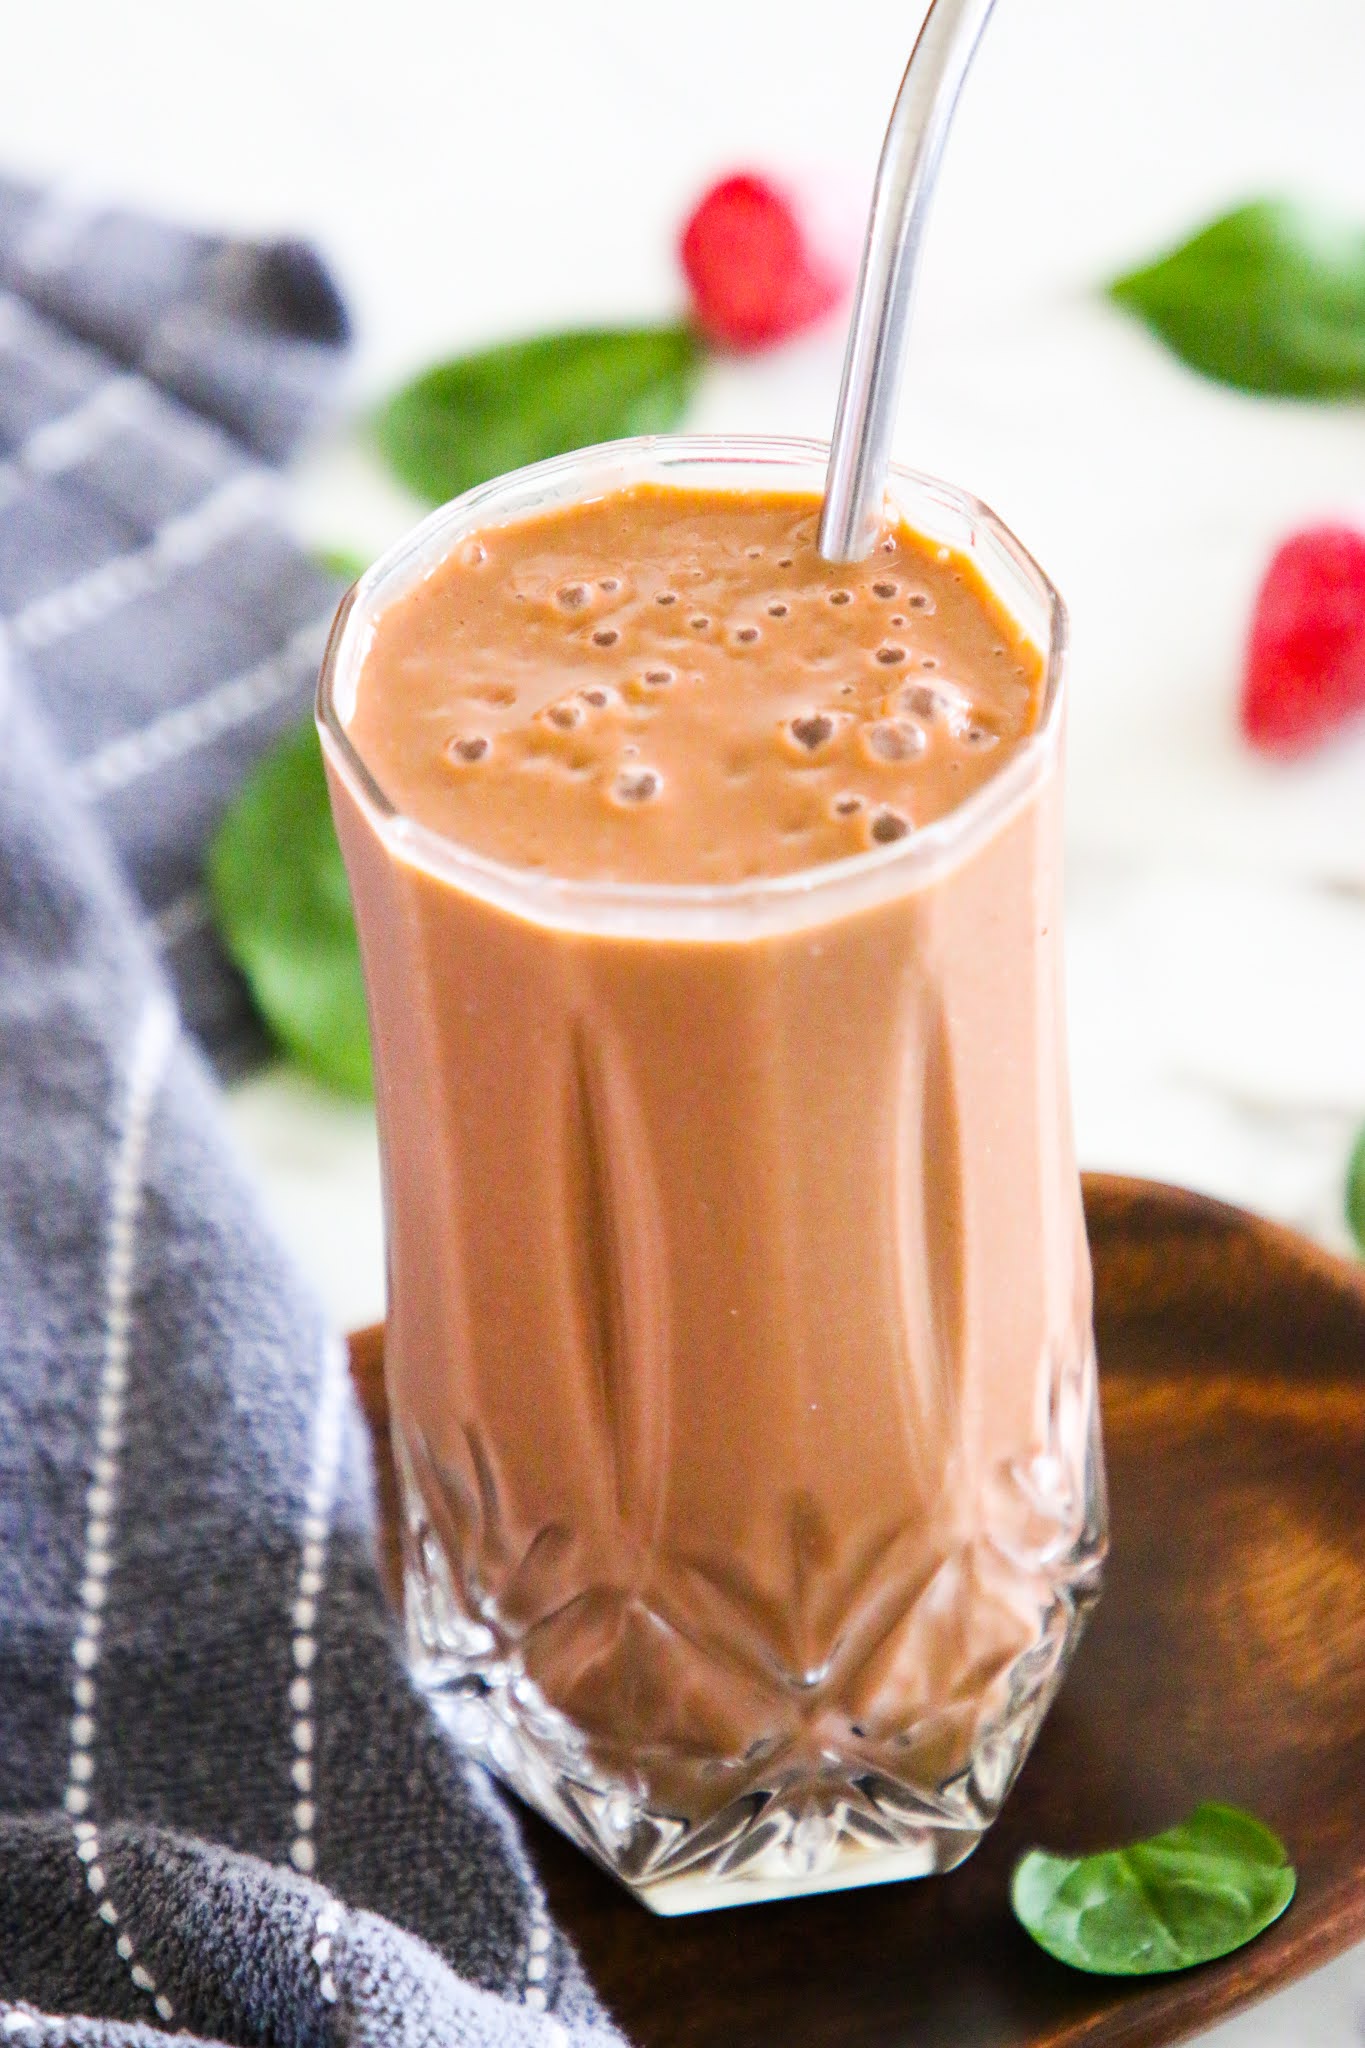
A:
(760, 264)
(1305, 665)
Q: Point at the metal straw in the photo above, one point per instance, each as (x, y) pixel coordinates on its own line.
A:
(875, 360)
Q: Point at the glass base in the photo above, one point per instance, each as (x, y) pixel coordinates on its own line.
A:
(824, 1824)
(764, 1847)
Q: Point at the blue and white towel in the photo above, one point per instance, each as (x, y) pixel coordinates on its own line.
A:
(224, 1812)
(169, 624)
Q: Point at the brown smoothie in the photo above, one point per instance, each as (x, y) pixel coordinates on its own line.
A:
(738, 1336)
(672, 686)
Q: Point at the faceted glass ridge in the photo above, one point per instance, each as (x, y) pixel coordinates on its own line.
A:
(792, 1815)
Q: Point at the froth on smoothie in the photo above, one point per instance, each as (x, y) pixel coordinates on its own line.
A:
(672, 685)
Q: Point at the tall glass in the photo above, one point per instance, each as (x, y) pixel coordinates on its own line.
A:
(739, 1336)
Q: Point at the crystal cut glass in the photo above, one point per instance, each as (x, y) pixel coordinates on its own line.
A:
(740, 1630)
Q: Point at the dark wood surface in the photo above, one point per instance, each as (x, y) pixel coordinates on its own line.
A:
(1226, 1660)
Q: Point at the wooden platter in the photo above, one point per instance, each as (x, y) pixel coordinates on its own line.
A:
(1226, 1660)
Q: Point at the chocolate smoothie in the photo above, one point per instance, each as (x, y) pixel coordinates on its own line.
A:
(671, 686)
(738, 1341)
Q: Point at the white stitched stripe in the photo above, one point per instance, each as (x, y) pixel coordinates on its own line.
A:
(183, 541)
(326, 1926)
(60, 443)
(152, 1044)
(537, 1965)
(178, 432)
(314, 1529)
(190, 726)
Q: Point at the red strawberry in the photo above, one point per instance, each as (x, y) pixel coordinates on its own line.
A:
(1305, 667)
(760, 264)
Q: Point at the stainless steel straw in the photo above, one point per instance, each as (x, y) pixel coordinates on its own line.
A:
(875, 361)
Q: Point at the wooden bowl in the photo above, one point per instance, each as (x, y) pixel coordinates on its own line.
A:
(1226, 1661)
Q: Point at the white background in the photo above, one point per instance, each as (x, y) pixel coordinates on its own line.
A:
(475, 171)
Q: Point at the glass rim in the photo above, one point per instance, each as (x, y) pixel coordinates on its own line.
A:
(545, 897)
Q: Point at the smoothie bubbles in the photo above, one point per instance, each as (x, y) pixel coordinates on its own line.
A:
(739, 1348)
(688, 651)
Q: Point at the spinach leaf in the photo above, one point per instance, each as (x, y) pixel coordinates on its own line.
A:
(342, 562)
(1355, 1192)
(482, 415)
(1270, 298)
(281, 904)
(1197, 1891)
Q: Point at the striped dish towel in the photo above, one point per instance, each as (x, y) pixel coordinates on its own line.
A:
(169, 625)
(224, 1812)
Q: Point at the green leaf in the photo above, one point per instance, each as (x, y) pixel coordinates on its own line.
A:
(1355, 1191)
(342, 562)
(482, 415)
(1269, 298)
(1197, 1891)
(281, 903)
